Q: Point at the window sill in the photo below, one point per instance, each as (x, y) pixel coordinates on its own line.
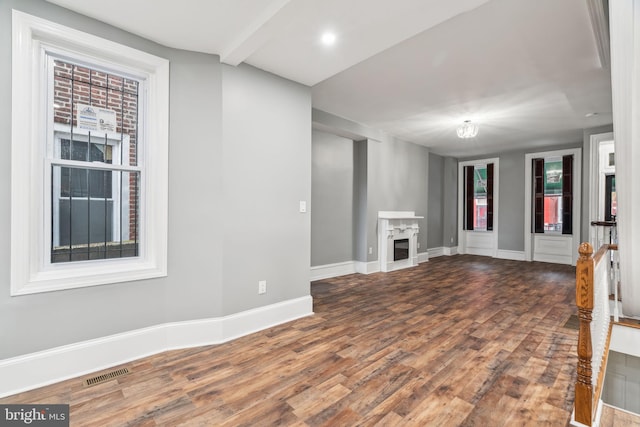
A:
(91, 273)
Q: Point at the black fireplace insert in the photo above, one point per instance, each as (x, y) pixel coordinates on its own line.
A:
(400, 249)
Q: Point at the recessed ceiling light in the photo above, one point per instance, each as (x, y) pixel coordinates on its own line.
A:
(328, 38)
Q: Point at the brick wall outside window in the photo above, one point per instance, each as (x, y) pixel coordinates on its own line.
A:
(74, 84)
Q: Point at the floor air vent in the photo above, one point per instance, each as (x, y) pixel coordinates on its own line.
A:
(106, 377)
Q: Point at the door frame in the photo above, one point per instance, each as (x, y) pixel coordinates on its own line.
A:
(596, 184)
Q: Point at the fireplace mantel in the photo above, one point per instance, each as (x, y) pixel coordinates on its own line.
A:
(397, 225)
(398, 215)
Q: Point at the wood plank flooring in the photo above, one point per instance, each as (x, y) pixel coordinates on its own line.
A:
(456, 341)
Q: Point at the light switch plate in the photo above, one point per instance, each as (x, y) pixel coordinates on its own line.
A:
(303, 206)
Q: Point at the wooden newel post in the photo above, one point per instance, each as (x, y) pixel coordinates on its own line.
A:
(584, 301)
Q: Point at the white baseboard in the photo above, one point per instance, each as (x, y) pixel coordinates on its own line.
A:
(489, 252)
(513, 255)
(367, 267)
(450, 251)
(442, 251)
(435, 252)
(553, 259)
(424, 256)
(46, 367)
(327, 271)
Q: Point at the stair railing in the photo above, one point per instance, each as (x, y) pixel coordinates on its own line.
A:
(593, 282)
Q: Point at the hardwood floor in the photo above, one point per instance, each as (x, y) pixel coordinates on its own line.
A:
(456, 341)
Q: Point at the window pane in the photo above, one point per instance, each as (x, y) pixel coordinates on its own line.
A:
(82, 182)
(614, 198)
(610, 198)
(94, 211)
(87, 228)
(553, 194)
(480, 198)
(553, 213)
(76, 182)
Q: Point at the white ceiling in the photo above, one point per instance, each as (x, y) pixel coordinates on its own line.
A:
(525, 71)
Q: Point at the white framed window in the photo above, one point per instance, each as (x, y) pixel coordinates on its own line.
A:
(89, 162)
(553, 180)
(478, 202)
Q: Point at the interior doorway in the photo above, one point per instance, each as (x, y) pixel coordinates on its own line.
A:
(602, 190)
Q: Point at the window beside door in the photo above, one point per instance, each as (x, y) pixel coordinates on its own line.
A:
(553, 194)
(478, 197)
(478, 194)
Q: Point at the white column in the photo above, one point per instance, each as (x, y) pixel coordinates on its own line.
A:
(624, 17)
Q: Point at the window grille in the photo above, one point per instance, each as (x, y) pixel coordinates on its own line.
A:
(94, 169)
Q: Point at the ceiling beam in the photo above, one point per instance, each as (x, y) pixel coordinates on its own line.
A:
(259, 31)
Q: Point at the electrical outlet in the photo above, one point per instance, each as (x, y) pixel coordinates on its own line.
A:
(262, 287)
(452, 240)
(370, 250)
(303, 206)
(418, 245)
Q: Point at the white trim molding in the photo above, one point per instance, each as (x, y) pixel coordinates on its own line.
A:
(600, 25)
(440, 251)
(327, 271)
(367, 267)
(46, 367)
(512, 255)
(34, 42)
(448, 251)
(435, 252)
(424, 256)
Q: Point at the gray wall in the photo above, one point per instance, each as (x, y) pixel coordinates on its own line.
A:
(511, 202)
(352, 181)
(435, 217)
(233, 201)
(195, 280)
(450, 202)
(332, 199)
(267, 172)
(442, 223)
(360, 197)
(622, 382)
(388, 175)
(397, 180)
